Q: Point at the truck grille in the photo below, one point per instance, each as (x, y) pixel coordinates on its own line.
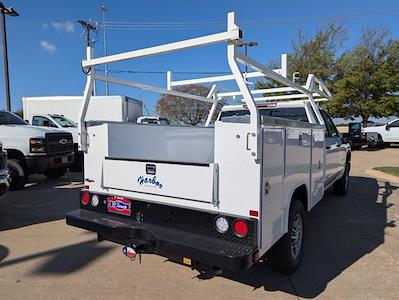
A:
(59, 143)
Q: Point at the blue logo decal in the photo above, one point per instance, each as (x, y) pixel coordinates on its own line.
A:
(150, 181)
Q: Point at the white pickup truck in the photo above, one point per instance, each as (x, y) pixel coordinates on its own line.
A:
(224, 195)
(389, 132)
(33, 149)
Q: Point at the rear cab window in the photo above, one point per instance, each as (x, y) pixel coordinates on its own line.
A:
(291, 113)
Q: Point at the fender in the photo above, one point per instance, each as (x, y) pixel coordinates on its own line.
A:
(286, 209)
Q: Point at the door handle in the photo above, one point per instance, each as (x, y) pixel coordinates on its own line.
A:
(248, 141)
(300, 139)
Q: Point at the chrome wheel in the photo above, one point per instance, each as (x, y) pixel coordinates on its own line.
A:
(296, 236)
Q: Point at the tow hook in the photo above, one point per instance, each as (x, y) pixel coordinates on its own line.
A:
(130, 252)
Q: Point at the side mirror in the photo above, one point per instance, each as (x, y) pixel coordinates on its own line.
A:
(344, 137)
(387, 127)
(46, 123)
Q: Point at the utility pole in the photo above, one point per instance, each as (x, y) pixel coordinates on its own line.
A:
(89, 47)
(88, 27)
(11, 12)
(246, 45)
(104, 9)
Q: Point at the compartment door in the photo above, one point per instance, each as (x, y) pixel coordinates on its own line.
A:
(273, 185)
(188, 182)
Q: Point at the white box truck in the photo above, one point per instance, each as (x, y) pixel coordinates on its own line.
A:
(110, 108)
(224, 195)
(63, 112)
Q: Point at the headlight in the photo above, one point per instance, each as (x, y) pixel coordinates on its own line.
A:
(37, 145)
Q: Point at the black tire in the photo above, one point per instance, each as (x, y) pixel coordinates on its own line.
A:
(77, 166)
(284, 256)
(386, 145)
(55, 173)
(18, 174)
(341, 186)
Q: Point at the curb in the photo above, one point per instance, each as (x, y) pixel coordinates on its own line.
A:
(383, 175)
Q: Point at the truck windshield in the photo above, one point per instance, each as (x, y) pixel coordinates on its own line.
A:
(292, 113)
(9, 118)
(64, 122)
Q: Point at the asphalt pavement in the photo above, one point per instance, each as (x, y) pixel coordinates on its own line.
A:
(351, 250)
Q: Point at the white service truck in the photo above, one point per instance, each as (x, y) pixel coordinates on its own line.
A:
(33, 150)
(223, 195)
(63, 112)
(389, 132)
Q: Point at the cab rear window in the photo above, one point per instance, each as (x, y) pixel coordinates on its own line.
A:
(291, 113)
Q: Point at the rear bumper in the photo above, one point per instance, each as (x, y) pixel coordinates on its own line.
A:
(166, 241)
(38, 164)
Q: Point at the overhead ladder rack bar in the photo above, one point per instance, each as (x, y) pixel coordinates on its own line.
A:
(191, 43)
(147, 87)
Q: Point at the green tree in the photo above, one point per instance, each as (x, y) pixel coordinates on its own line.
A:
(367, 79)
(186, 111)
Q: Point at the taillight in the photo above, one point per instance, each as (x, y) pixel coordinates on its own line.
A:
(240, 228)
(85, 198)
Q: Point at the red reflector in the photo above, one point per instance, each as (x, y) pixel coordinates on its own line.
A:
(86, 187)
(241, 228)
(254, 213)
(85, 198)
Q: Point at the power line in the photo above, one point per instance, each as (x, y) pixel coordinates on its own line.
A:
(127, 25)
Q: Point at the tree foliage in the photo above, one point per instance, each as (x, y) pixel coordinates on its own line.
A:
(364, 80)
(186, 111)
(367, 78)
(315, 55)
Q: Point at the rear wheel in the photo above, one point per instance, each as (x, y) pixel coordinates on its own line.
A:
(18, 174)
(55, 173)
(286, 255)
(386, 145)
(341, 186)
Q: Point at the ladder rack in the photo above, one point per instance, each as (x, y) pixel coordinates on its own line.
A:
(313, 90)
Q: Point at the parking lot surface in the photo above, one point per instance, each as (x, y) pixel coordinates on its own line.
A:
(351, 250)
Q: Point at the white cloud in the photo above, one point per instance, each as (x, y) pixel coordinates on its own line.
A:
(46, 45)
(66, 26)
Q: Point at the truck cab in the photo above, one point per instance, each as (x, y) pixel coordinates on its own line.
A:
(33, 149)
(302, 111)
(55, 121)
(63, 123)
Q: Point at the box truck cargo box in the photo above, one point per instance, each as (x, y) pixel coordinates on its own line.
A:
(107, 108)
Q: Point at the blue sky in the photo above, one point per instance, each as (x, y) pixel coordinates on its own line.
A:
(46, 44)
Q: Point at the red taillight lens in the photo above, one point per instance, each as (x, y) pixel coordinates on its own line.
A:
(241, 228)
(85, 198)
